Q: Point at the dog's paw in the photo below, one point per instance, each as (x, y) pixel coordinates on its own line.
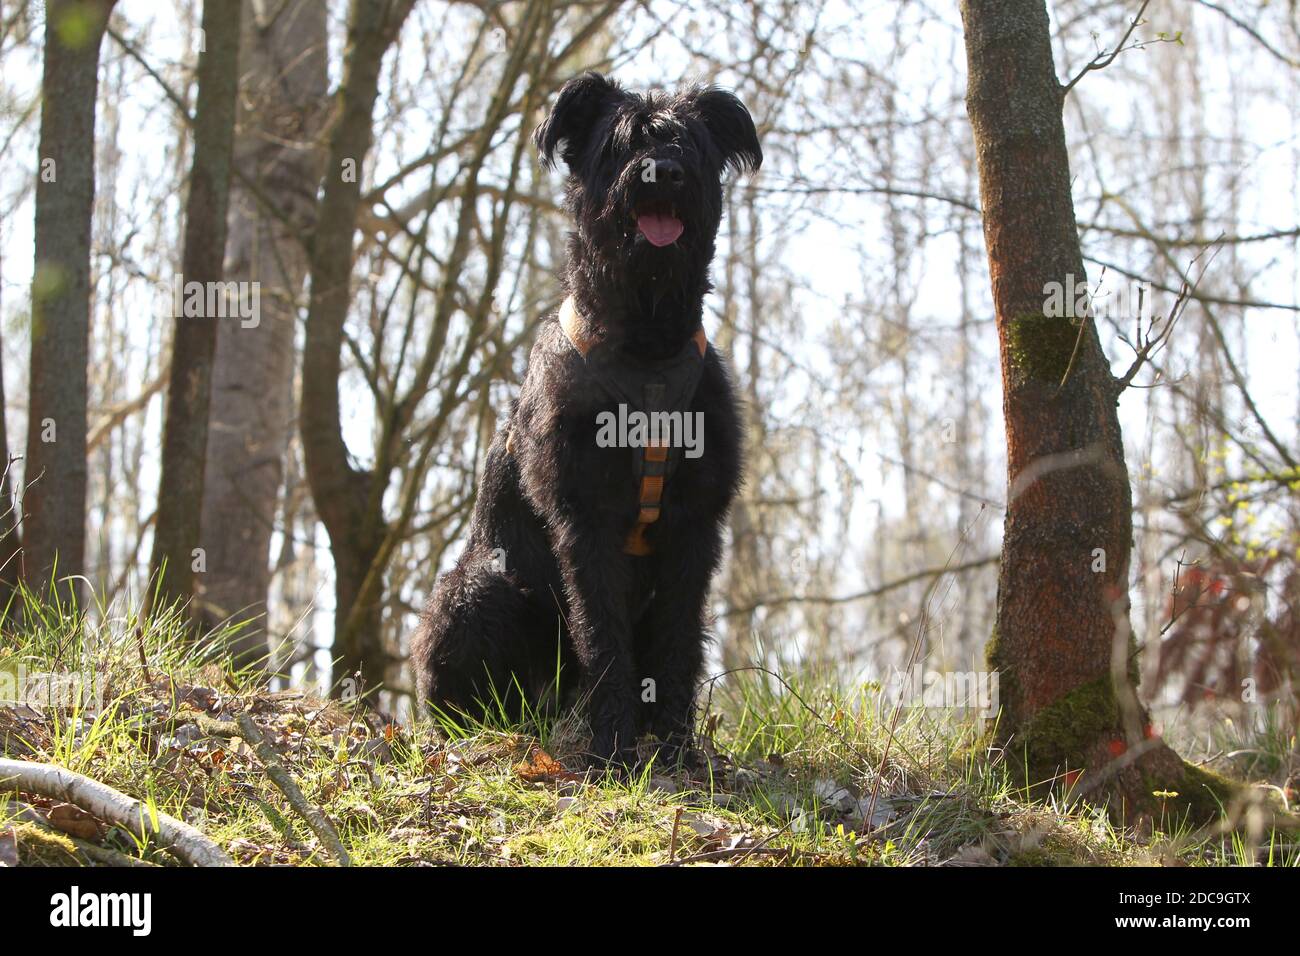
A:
(607, 755)
(621, 765)
(677, 754)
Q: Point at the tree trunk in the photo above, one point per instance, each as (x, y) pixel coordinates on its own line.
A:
(10, 541)
(1063, 644)
(352, 516)
(252, 412)
(54, 498)
(185, 428)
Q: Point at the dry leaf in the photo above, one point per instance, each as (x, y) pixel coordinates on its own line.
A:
(74, 821)
(541, 767)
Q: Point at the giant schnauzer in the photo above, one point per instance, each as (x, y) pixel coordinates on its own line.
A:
(599, 520)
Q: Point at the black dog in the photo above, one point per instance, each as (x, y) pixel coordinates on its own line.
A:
(585, 551)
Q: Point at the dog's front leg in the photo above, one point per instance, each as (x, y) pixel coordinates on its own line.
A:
(595, 579)
(671, 639)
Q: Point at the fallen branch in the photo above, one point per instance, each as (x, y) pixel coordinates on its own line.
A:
(244, 727)
(59, 783)
(104, 856)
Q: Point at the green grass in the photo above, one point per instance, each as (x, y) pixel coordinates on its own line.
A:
(790, 768)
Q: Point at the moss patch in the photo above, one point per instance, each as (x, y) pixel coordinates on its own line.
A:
(1066, 734)
(1200, 797)
(1040, 346)
(1059, 733)
(40, 847)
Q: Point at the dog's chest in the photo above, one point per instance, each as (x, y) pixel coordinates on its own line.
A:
(634, 444)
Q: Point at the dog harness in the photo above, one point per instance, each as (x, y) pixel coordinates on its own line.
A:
(650, 387)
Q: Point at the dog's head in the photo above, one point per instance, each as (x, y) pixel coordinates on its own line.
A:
(645, 170)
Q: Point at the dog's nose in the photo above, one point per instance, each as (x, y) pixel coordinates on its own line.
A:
(669, 170)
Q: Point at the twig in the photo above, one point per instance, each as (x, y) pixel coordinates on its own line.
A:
(59, 783)
(1074, 355)
(729, 852)
(783, 599)
(1104, 59)
(1234, 370)
(761, 845)
(1251, 31)
(672, 843)
(1146, 347)
(1078, 339)
(246, 728)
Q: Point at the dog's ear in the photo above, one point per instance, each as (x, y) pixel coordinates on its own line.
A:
(580, 102)
(732, 128)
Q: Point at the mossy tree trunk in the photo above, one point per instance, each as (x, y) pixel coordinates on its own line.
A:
(1063, 645)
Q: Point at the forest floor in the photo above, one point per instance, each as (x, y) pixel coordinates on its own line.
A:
(790, 778)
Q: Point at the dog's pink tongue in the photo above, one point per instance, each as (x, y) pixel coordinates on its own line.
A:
(658, 228)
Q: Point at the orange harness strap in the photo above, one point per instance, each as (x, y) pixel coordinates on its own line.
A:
(656, 455)
(652, 492)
